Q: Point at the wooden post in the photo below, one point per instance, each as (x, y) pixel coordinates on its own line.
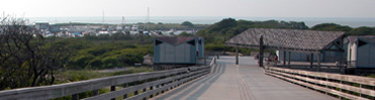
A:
(236, 55)
(289, 59)
(311, 60)
(205, 57)
(125, 95)
(319, 55)
(284, 58)
(75, 97)
(96, 92)
(261, 51)
(151, 88)
(113, 88)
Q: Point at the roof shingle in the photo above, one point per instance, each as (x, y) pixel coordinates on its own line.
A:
(290, 39)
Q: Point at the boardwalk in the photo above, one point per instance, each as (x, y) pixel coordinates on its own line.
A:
(240, 82)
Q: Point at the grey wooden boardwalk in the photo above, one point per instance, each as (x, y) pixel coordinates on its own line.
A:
(240, 82)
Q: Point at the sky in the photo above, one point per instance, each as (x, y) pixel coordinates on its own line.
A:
(226, 8)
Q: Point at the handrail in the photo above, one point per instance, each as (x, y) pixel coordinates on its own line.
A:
(61, 90)
(336, 84)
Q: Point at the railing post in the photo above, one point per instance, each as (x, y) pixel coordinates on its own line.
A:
(162, 86)
(341, 91)
(360, 94)
(157, 86)
(75, 97)
(136, 92)
(125, 95)
(144, 90)
(113, 88)
(205, 57)
(151, 88)
(96, 92)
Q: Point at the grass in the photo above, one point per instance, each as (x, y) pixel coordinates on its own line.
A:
(79, 75)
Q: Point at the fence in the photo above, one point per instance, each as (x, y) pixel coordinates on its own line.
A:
(342, 86)
(147, 85)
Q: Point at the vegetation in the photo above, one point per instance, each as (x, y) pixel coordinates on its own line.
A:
(187, 24)
(185, 34)
(349, 31)
(27, 59)
(216, 34)
(102, 52)
(78, 75)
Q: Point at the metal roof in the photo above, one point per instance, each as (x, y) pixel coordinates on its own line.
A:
(286, 39)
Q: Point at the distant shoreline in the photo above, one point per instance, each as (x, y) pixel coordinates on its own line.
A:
(352, 22)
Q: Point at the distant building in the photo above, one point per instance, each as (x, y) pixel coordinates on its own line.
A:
(42, 26)
(135, 28)
(55, 28)
(178, 50)
(361, 51)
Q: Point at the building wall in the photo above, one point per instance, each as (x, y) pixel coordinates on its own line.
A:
(332, 56)
(170, 54)
(201, 47)
(366, 56)
(297, 56)
(352, 52)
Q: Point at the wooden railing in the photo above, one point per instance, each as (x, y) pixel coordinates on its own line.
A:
(150, 84)
(342, 86)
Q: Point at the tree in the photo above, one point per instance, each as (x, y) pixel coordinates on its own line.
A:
(331, 27)
(362, 31)
(26, 59)
(187, 24)
(185, 34)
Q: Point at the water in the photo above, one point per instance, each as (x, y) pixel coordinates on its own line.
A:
(352, 22)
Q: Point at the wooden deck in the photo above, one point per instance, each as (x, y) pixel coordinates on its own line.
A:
(245, 81)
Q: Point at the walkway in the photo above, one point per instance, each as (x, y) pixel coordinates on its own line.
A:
(240, 82)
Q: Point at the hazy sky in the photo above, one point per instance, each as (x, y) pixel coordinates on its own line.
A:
(227, 8)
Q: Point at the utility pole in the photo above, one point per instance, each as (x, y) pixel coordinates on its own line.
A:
(103, 19)
(148, 18)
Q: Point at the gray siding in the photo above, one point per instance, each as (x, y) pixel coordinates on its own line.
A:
(157, 55)
(180, 53)
(162, 52)
(169, 53)
(187, 53)
(366, 56)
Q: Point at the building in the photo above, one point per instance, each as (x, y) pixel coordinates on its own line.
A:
(42, 26)
(301, 45)
(361, 51)
(178, 50)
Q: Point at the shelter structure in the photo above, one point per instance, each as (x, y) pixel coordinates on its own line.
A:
(289, 40)
(361, 51)
(178, 50)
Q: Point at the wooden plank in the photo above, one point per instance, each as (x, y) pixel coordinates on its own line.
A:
(332, 84)
(347, 78)
(145, 94)
(55, 91)
(318, 87)
(123, 91)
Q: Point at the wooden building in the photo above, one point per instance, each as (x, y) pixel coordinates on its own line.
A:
(178, 50)
(361, 51)
(306, 42)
